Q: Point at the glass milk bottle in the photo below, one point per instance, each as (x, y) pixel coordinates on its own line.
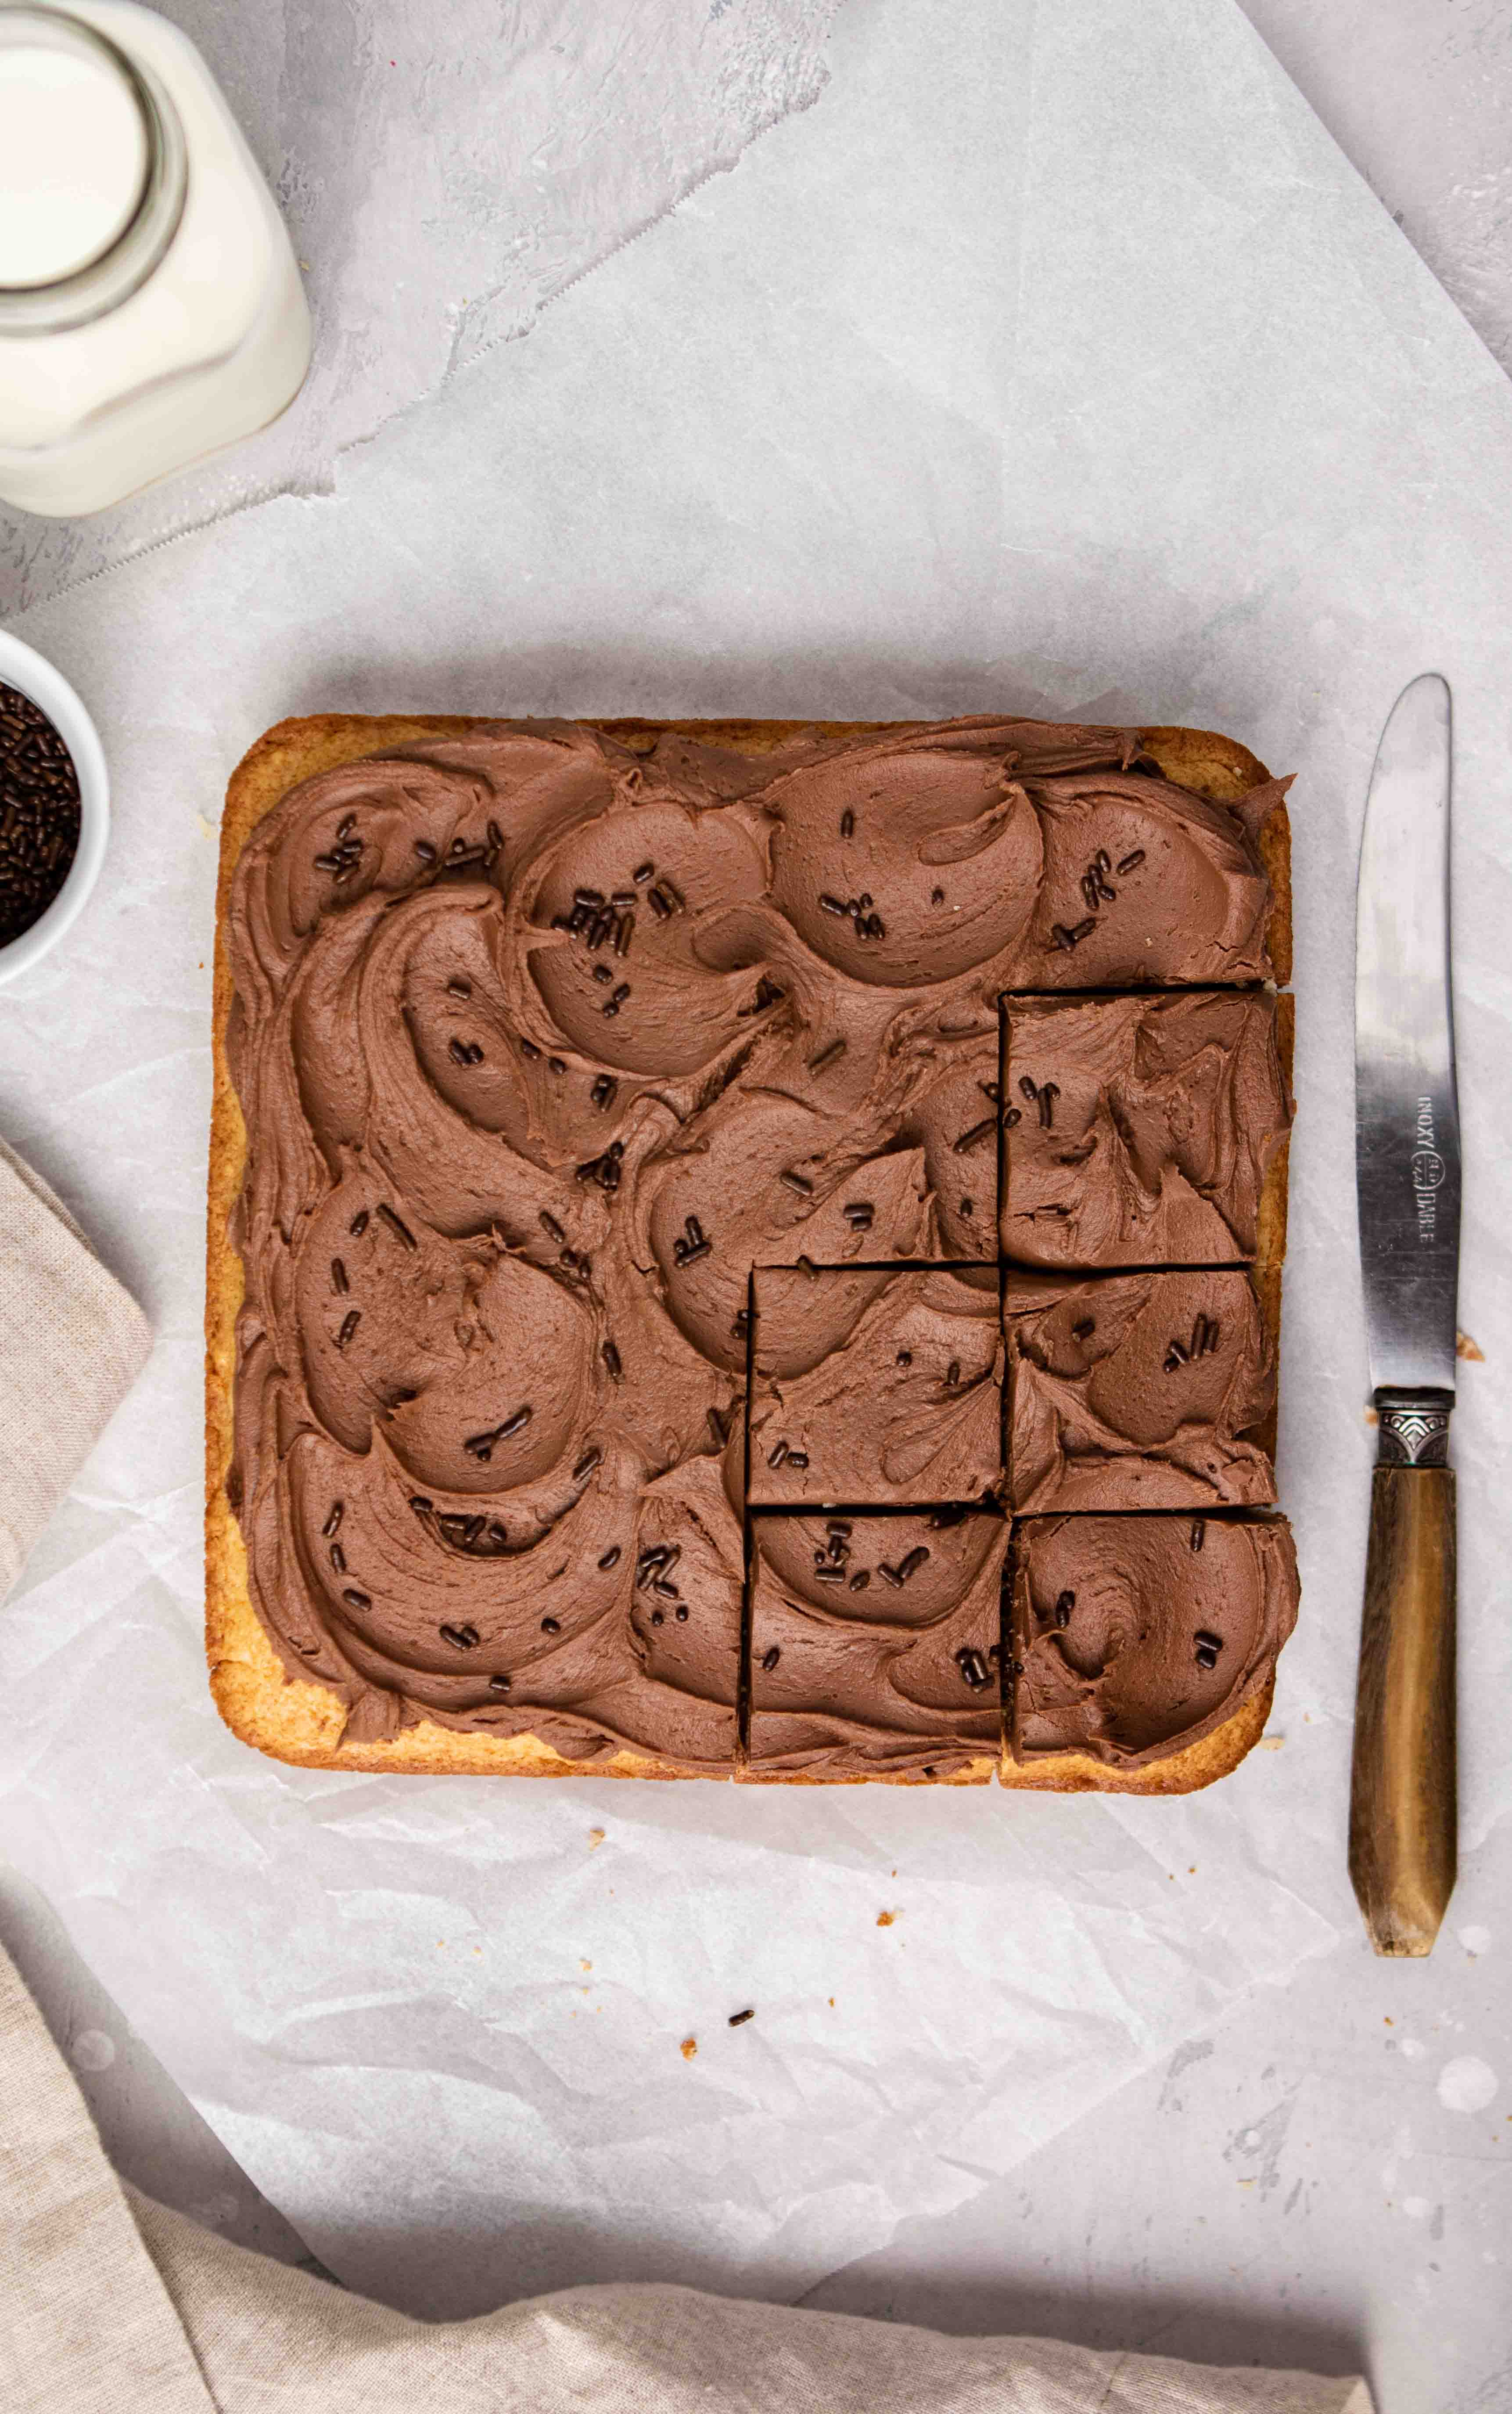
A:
(150, 304)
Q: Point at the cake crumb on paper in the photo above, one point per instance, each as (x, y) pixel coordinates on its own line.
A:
(1465, 1348)
(1270, 1743)
(885, 1919)
(595, 1838)
(689, 2048)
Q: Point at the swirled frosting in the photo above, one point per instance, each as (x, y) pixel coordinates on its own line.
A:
(1138, 1634)
(546, 1039)
(1137, 1392)
(1139, 1129)
(875, 1644)
(875, 1388)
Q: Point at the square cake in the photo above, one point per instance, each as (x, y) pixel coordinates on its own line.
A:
(749, 1250)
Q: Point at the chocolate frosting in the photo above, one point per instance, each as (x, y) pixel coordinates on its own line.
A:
(1136, 1391)
(1140, 1129)
(876, 1644)
(543, 1041)
(1139, 1634)
(876, 1388)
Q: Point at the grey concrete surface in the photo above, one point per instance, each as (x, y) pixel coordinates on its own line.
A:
(1255, 2200)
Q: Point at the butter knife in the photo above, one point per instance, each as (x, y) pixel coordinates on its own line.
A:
(1402, 1803)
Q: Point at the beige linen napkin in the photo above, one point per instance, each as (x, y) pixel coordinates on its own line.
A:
(72, 1343)
(107, 2302)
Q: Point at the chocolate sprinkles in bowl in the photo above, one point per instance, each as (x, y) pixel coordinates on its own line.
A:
(54, 807)
(39, 814)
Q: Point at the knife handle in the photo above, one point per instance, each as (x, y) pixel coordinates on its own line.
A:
(1403, 1797)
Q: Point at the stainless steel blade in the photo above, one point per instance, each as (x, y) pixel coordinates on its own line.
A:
(1406, 1113)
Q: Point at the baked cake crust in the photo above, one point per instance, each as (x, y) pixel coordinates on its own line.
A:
(302, 1722)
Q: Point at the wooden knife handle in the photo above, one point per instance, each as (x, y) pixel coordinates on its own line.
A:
(1402, 1798)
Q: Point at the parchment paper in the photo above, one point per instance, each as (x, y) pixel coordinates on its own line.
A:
(1052, 360)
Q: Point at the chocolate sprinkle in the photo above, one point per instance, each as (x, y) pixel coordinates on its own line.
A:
(334, 1520)
(480, 1445)
(394, 1223)
(978, 1132)
(461, 1638)
(355, 1600)
(349, 1323)
(1065, 1603)
(770, 1658)
(612, 1556)
(738, 2019)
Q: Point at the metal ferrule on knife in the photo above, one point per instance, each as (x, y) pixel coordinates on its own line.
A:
(1413, 1428)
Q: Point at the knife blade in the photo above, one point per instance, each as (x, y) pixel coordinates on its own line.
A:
(1406, 1110)
(1402, 1816)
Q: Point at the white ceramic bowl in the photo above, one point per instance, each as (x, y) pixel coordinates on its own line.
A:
(22, 667)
